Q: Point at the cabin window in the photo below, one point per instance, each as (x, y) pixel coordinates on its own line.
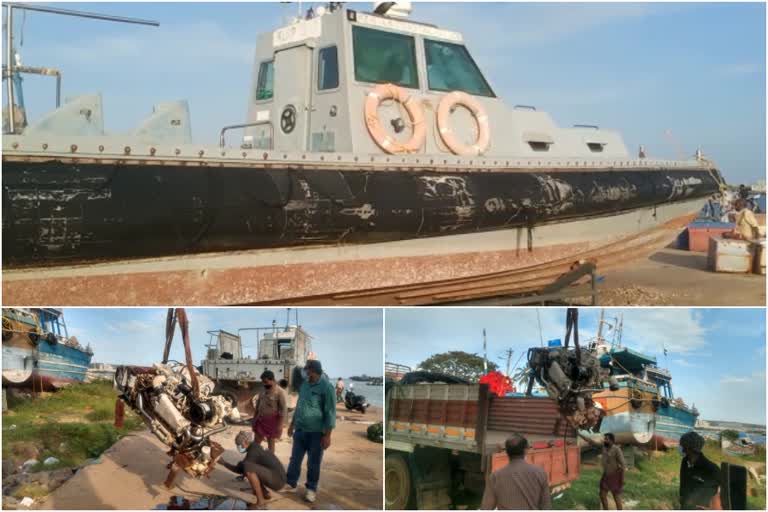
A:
(538, 146)
(328, 68)
(264, 85)
(595, 147)
(451, 68)
(384, 57)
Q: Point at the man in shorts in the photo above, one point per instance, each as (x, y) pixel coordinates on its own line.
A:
(613, 472)
(271, 411)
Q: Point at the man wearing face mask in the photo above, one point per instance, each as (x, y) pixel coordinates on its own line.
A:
(699, 477)
(311, 425)
(271, 411)
(260, 467)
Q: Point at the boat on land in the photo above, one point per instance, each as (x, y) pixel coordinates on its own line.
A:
(38, 352)
(377, 165)
(644, 410)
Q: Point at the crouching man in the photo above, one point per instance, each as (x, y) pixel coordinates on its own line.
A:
(260, 467)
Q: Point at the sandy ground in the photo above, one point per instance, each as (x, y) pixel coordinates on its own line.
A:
(680, 278)
(670, 277)
(131, 473)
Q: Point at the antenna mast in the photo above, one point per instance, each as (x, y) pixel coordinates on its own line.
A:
(538, 319)
(509, 352)
(600, 326)
(485, 354)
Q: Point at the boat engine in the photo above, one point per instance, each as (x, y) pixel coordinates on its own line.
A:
(163, 395)
(570, 376)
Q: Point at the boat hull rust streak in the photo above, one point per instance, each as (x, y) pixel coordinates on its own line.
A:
(421, 271)
(56, 212)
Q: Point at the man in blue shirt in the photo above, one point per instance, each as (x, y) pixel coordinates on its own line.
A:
(313, 421)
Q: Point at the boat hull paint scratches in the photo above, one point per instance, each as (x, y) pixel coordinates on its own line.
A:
(671, 423)
(56, 212)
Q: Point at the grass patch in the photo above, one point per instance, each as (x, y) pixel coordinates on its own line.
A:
(654, 482)
(73, 425)
(31, 490)
(101, 414)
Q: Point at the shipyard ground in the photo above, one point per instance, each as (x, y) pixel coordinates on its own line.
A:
(670, 277)
(131, 473)
(126, 467)
(653, 484)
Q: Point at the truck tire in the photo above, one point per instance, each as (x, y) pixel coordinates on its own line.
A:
(399, 492)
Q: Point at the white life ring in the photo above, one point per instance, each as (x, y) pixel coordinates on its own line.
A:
(444, 109)
(379, 134)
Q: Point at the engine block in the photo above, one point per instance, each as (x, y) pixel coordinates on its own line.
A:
(163, 396)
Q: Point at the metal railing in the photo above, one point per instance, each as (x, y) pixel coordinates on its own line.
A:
(222, 141)
(9, 53)
(38, 71)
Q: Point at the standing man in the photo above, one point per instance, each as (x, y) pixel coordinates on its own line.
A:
(339, 390)
(613, 472)
(518, 485)
(613, 469)
(271, 411)
(313, 421)
(260, 467)
(699, 476)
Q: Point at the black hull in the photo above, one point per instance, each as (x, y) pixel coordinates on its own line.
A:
(55, 212)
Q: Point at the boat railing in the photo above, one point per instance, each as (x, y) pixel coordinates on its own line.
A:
(394, 371)
(222, 134)
(11, 68)
(659, 371)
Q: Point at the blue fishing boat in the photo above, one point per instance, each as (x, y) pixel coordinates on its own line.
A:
(38, 352)
(643, 410)
(673, 416)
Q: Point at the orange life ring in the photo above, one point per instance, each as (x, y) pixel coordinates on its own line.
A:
(444, 109)
(380, 136)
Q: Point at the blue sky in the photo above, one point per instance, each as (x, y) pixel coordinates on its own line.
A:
(717, 356)
(695, 69)
(347, 342)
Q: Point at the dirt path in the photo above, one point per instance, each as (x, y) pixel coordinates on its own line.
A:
(676, 277)
(670, 277)
(131, 473)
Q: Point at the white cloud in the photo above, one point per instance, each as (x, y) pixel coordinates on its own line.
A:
(516, 25)
(732, 379)
(740, 69)
(186, 47)
(685, 363)
(680, 331)
(756, 376)
(740, 397)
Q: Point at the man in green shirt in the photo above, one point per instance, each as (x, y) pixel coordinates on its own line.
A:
(311, 427)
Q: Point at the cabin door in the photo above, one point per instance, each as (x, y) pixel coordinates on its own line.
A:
(293, 68)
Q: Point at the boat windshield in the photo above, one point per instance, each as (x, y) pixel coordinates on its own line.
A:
(384, 57)
(451, 68)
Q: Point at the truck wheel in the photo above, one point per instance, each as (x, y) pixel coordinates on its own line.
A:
(398, 485)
